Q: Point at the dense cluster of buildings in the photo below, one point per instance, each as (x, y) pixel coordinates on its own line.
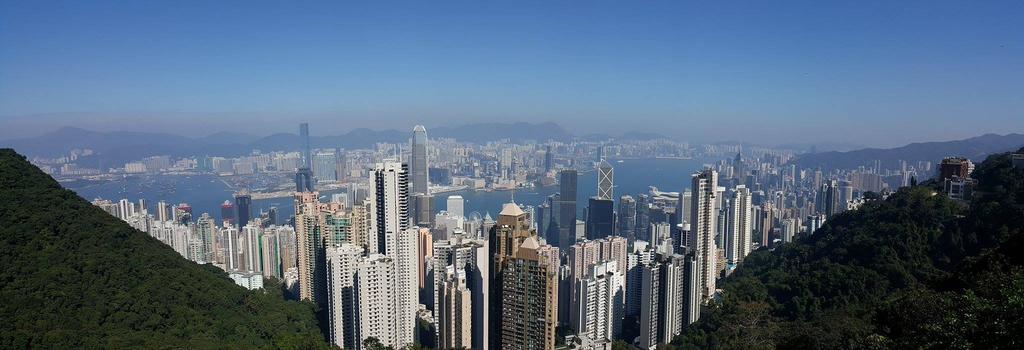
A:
(381, 261)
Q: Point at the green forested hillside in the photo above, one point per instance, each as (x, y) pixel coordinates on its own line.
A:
(72, 277)
(914, 271)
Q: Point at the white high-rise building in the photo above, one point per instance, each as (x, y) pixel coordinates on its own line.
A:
(704, 213)
(343, 263)
(391, 235)
(375, 300)
(738, 237)
(406, 286)
(389, 205)
(599, 308)
(456, 206)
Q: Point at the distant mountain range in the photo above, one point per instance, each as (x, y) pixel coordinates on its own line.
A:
(975, 148)
(117, 147)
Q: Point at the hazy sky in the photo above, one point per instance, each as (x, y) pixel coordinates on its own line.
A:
(866, 72)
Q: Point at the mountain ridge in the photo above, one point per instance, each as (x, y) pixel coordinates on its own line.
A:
(76, 277)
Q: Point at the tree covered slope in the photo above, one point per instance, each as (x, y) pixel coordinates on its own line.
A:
(914, 271)
(72, 276)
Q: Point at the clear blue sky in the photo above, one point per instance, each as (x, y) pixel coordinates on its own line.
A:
(865, 72)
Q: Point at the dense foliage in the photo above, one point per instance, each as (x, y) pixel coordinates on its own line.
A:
(916, 270)
(73, 277)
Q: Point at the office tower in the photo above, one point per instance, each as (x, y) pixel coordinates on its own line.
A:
(550, 216)
(303, 180)
(701, 240)
(325, 166)
(375, 300)
(419, 167)
(456, 205)
(567, 209)
(304, 173)
(422, 207)
(528, 299)
(845, 195)
(627, 217)
(243, 203)
(643, 218)
(605, 180)
(309, 247)
(549, 159)
(227, 213)
(272, 216)
(389, 206)
(342, 265)
(600, 218)
(828, 198)
(454, 310)
(738, 232)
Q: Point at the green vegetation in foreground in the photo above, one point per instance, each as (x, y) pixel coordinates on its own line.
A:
(74, 277)
(914, 271)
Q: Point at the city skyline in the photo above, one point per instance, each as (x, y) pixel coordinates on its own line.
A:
(884, 73)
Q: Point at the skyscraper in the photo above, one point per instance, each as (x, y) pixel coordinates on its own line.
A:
(605, 180)
(227, 213)
(389, 206)
(600, 218)
(549, 159)
(391, 235)
(304, 174)
(701, 240)
(456, 205)
(325, 166)
(310, 244)
(598, 305)
(567, 209)
(828, 198)
(738, 231)
(342, 265)
(419, 167)
(524, 289)
(375, 300)
(243, 203)
(627, 217)
(528, 299)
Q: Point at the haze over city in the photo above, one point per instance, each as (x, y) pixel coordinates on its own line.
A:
(885, 73)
